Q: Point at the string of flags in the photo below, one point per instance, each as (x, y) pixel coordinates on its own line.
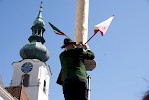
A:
(101, 27)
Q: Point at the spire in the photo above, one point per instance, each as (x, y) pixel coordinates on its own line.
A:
(35, 49)
(41, 6)
(39, 19)
(38, 28)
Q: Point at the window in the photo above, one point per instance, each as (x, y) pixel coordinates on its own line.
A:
(44, 86)
(25, 80)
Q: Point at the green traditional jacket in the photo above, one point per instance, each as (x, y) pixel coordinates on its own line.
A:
(72, 64)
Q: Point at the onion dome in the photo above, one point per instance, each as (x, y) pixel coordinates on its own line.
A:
(36, 48)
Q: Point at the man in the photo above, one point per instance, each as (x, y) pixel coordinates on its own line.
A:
(73, 77)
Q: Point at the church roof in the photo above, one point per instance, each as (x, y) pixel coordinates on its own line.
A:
(18, 92)
(36, 48)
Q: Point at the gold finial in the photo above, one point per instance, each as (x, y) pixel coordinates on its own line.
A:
(41, 6)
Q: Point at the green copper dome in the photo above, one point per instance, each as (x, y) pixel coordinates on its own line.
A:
(36, 48)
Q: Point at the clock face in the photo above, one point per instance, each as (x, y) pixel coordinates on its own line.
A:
(27, 67)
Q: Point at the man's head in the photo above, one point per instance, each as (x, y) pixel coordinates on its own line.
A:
(68, 44)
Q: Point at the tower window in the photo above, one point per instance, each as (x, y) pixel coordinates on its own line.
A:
(39, 32)
(36, 32)
(25, 80)
(44, 86)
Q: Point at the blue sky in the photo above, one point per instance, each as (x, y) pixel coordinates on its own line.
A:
(122, 54)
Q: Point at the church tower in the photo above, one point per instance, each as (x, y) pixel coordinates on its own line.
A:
(32, 72)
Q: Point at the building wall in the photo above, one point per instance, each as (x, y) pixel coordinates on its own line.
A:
(38, 88)
(4, 95)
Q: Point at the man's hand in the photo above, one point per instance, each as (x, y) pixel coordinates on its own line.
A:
(83, 46)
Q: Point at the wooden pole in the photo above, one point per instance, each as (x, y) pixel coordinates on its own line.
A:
(81, 28)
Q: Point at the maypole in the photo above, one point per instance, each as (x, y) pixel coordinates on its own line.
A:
(81, 28)
(81, 33)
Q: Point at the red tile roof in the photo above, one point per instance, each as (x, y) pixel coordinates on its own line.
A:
(18, 92)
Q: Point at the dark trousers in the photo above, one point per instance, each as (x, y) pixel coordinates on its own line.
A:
(75, 89)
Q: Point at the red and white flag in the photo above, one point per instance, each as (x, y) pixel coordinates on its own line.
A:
(103, 26)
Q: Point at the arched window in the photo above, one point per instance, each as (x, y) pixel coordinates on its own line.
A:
(44, 86)
(39, 32)
(25, 80)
